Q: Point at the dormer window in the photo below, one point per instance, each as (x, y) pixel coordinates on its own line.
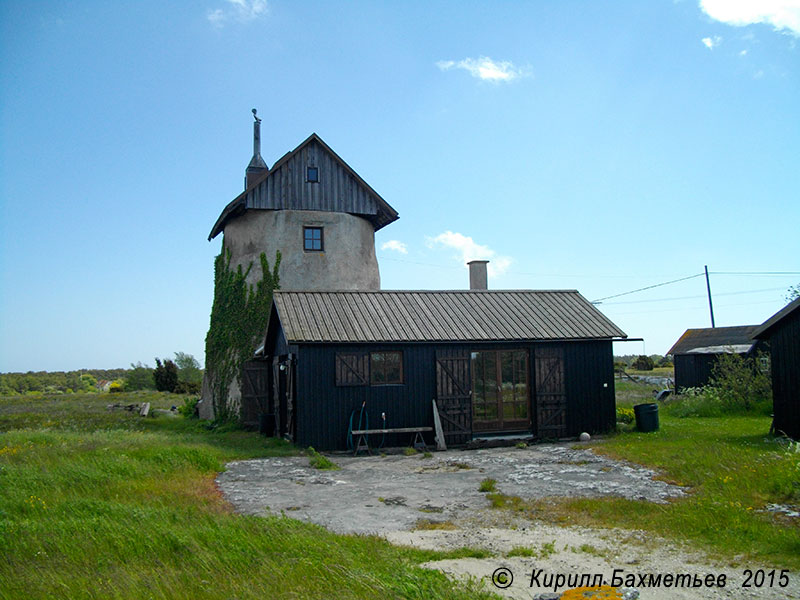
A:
(313, 240)
(312, 174)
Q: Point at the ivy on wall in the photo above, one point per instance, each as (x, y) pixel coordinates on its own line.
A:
(239, 318)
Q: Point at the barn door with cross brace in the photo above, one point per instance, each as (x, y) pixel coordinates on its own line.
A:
(551, 395)
(454, 396)
(255, 391)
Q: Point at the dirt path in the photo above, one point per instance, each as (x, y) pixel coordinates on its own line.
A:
(393, 495)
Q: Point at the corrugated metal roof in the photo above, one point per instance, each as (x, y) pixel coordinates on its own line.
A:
(440, 316)
(696, 340)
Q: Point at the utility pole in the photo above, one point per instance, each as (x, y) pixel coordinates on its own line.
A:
(710, 305)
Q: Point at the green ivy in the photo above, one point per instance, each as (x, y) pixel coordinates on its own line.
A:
(239, 318)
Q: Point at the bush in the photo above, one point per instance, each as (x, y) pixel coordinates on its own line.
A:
(739, 382)
(187, 387)
(625, 414)
(643, 363)
(116, 387)
(189, 408)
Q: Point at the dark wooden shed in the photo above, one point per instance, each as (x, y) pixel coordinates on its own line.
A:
(782, 331)
(697, 350)
(496, 362)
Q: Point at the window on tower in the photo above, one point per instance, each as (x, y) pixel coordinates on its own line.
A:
(313, 239)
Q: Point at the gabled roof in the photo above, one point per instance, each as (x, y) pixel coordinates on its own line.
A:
(439, 316)
(715, 340)
(763, 329)
(260, 195)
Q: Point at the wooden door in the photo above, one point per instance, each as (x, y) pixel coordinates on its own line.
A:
(255, 391)
(551, 395)
(501, 398)
(454, 397)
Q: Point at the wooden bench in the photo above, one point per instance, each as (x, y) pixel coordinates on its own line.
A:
(362, 442)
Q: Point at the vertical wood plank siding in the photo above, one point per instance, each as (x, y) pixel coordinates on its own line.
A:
(784, 343)
(693, 370)
(323, 409)
(590, 406)
(287, 188)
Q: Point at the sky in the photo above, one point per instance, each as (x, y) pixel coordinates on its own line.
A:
(602, 146)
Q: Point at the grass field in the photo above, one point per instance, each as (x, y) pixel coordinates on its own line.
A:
(106, 504)
(734, 469)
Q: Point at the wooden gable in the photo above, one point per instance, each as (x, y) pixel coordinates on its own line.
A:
(286, 187)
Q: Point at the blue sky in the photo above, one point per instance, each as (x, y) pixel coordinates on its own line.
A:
(598, 146)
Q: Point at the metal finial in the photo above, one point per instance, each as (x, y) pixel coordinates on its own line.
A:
(255, 117)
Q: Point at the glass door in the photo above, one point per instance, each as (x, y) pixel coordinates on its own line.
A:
(500, 400)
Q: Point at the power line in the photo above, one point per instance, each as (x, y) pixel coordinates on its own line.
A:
(716, 295)
(649, 287)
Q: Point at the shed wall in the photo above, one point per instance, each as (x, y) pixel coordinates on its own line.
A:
(784, 344)
(324, 410)
(693, 370)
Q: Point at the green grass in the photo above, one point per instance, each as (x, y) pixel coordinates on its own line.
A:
(106, 504)
(488, 485)
(733, 469)
(318, 461)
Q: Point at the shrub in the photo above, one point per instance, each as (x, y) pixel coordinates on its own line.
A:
(116, 387)
(739, 382)
(187, 387)
(625, 414)
(189, 408)
(643, 363)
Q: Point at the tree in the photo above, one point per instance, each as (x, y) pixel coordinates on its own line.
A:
(793, 293)
(87, 382)
(165, 375)
(188, 368)
(643, 363)
(140, 377)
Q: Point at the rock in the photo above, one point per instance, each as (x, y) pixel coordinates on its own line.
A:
(585, 437)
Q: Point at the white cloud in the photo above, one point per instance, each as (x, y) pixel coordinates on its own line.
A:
(243, 11)
(486, 69)
(711, 43)
(783, 15)
(743, 53)
(469, 250)
(396, 246)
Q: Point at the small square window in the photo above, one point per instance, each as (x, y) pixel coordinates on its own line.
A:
(312, 174)
(386, 368)
(313, 239)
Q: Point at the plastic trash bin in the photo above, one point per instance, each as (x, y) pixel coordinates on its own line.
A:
(646, 417)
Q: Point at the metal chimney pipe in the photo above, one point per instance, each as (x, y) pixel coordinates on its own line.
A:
(478, 278)
(257, 165)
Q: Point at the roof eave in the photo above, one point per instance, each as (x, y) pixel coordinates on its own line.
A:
(776, 318)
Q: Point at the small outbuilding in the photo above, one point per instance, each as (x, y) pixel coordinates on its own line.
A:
(782, 331)
(697, 351)
(496, 362)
